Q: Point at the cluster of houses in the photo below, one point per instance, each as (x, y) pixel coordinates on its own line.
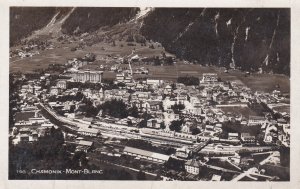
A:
(29, 125)
(31, 49)
(200, 108)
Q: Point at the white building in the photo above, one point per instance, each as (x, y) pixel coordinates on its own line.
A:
(156, 82)
(209, 77)
(88, 131)
(62, 84)
(144, 154)
(193, 166)
(87, 75)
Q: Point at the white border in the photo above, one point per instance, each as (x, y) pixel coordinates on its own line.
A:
(295, 94)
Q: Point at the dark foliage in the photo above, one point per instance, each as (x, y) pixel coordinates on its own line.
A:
(89, 109)
(232, 127)
(177, 108)
(162, 125)
(141, 175)
(175, 164)
(176, 125)
(50, 153)
(195, 130)
(188, 80)
(133, 111)
(114, 108)
(46, 153)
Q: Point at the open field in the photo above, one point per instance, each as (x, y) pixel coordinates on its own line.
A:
(60, 55)
(42, 60)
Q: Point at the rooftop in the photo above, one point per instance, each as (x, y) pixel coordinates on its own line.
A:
(88, 130)
(85, 143)
(24, 116)
(193, 163)
(146, 153)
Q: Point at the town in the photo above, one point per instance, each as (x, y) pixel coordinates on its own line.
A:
(194, 128)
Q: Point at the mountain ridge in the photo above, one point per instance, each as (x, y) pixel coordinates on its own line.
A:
(256, 39)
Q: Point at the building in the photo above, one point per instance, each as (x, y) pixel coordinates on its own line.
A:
(256, 120)
(147, 155)
(26, 135)
(27, 89)
(156, 82)
(183, 152)
(216, 178)
(153, 105)
(88, 131)
(120, 77)
(247, 138)
(209, 78)
(54, 91)
(153, 123)
(182, 97)
(233, 136)
(168, 89)
(193, 166)
(87, 75)
(84, 146)
(62, 84)
(24, 138)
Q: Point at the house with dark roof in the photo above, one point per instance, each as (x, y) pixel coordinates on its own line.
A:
(152, 105)
(84, 146)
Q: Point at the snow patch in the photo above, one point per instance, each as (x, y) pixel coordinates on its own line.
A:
(185, 30)
(247, 32)
(52, 21)
(203, 12)
(228, 23)
(266, 61)
(142, 13)
(53, 27)
(275, 30)
(217, 16)
(216, 25)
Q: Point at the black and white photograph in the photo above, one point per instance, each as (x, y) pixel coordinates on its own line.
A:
(149, 93)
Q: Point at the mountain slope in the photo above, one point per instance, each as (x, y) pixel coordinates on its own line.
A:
(25, 20)
(250, 39)
(255, 39)
(90, 19)
(54, 27)
(36, 21)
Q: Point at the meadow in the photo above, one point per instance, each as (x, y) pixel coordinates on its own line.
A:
(60, 55)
